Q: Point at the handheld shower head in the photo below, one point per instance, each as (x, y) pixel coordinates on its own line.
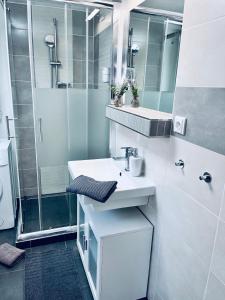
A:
(50, 40)
(135, 48)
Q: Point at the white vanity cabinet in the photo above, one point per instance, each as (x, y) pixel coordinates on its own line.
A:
(115, 248)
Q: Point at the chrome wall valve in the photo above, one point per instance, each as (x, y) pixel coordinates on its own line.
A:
(179, 163)
(206, 177)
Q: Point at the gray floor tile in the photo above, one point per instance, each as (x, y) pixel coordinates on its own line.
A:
(12, 285)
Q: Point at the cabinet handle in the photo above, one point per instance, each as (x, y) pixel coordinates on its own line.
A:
(85, 245)
(83, 242)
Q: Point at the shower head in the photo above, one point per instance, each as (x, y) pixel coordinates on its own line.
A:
(135, 48)
(50, 40)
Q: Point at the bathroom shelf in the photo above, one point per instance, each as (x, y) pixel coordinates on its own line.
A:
(148, 122)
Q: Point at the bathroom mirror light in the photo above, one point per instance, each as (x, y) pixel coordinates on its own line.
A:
(92, 14)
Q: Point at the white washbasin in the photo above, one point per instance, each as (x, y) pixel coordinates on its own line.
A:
(131, 191)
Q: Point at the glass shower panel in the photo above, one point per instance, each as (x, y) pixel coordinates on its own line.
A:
(69, 54)
(87, 93)
(99, 63)
(77, 105)
(50, 107)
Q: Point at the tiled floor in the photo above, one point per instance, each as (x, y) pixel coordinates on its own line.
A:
(12, 279)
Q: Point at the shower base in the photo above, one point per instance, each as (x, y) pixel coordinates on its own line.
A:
(56, 217)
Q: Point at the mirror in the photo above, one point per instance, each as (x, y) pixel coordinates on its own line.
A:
(152, 53)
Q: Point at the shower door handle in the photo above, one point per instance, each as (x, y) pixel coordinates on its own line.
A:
(40, 130)
(8, 127)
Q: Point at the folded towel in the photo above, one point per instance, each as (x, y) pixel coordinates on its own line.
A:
(97, 190)
(10, 254)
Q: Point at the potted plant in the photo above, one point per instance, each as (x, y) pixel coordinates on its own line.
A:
(134, 90)
(118, 92)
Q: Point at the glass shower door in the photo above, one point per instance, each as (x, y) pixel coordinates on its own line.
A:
(50, 109)
(69, 51)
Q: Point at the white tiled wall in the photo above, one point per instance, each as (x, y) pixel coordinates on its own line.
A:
(188, 258)
(185, 213)
(201, 62)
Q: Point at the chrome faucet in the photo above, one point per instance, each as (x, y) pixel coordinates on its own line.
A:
(129, 151)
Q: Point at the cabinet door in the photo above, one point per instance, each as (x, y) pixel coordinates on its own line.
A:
(92, 256)
(81, 228)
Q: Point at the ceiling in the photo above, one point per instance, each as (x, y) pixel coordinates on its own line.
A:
(171, 5)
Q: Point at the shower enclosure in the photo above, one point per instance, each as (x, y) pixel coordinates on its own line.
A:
(64, 114)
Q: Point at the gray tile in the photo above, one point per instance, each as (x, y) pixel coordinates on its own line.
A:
(79, 71)
(91, 48)
(30, 208)
(152, 77)
(96, 21)
(27, 159)
(96, 47)
(91, 28)
(156, 32)
(28, 178)
(91, 73)
(153, 129)
(25, 138)
(161, 128)
(168, 128)
(24, 115)
(30, 192)
(18, 15)
(218, 266)
(215, 290)
(79, 47)
(78, 22)
(20, 41)
(205, 112)
(96, 73)
(23, 92)
(22, 67)
(154, 54)
(12, 285)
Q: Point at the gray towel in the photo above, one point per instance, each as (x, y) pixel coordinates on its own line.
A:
(97, 190)
(10, 254)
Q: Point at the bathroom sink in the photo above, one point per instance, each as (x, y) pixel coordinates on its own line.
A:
(131, 191)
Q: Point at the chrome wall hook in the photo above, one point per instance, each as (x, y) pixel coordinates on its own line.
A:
(206, 177)
(179, 163)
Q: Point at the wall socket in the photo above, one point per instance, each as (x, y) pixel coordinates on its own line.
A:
(179, 125)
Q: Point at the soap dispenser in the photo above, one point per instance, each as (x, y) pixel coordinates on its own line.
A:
(136, 165)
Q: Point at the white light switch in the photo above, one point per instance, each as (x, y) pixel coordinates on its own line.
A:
(179, 125)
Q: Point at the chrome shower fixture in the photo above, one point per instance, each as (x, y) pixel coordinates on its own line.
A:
(134, 49)
(51, 40)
